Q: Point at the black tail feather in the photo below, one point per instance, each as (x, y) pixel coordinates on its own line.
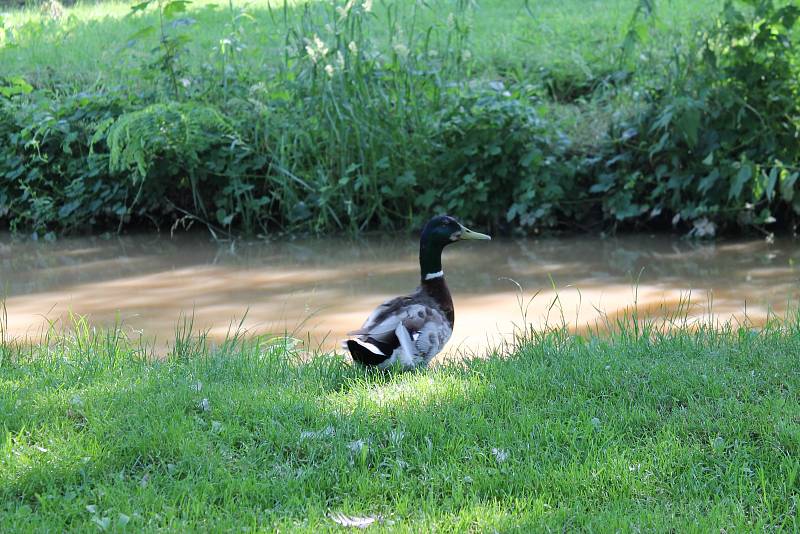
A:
(363, 355)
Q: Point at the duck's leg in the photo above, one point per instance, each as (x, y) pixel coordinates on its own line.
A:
(406, 346)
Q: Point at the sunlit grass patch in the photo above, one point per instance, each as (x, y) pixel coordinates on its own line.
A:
(90, 39)
(655, 430)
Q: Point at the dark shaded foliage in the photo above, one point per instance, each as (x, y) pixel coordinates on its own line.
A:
(719, 138)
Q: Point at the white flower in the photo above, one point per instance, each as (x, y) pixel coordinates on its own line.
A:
(353, 47)
(367, 6)
(316, 49)
(345, 10)
(323, 49)
(401, 50)
(329, 70)
(311, 53)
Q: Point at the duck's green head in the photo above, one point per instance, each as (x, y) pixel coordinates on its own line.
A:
(441, 231)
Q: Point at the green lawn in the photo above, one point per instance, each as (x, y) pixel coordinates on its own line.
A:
(89, 40)
(684, 431)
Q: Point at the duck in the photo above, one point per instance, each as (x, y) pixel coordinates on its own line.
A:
(409, 331)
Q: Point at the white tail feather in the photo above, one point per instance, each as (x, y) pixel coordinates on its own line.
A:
(369, 346)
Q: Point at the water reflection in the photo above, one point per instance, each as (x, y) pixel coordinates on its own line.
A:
(319, 289)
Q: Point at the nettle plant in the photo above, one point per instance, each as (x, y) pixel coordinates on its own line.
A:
(49, 176)
(718, 143)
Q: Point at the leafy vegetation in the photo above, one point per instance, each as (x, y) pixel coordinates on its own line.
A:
(719, 139)
(356, 115)
(643, 429)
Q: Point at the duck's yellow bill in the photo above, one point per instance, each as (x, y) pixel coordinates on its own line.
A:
(466, 233)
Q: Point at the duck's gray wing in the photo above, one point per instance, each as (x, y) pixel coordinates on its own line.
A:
(405, 322)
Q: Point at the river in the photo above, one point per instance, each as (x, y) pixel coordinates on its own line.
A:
(318, 289)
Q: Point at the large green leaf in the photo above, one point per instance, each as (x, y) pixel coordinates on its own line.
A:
(689, 123)
(142, 33)
(175, 7)
(742, 177)
(141, 6)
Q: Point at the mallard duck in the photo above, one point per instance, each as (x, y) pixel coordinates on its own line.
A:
(411, 330)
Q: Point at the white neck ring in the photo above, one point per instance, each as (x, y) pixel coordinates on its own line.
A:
(431, 276)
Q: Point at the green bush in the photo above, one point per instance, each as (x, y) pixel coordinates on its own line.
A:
(498, 161)
(50, 178)
(718, 141)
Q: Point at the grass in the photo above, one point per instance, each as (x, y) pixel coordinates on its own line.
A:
(684, 430)
(523, 38)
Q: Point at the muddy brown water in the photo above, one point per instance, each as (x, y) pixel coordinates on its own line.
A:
(318, 289)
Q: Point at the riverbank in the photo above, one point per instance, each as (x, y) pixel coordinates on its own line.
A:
(637, 430)
(319, 118)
